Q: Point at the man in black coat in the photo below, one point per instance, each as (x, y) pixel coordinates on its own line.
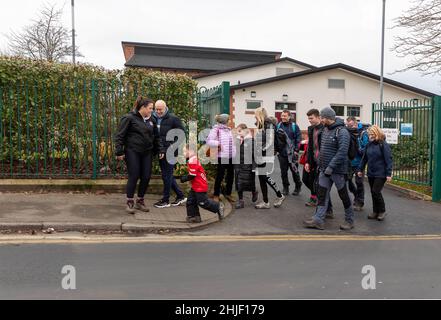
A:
(166, 121)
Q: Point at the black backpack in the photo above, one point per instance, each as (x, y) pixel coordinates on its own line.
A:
(353, 142)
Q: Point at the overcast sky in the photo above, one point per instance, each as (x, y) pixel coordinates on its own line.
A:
(318, 32)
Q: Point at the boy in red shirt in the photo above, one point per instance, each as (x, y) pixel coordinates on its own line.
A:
(199, 187)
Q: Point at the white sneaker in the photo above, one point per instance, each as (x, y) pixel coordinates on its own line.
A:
(263, 205)
(279, 201)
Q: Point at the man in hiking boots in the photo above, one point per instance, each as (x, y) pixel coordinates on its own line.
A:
(289, 150)
(333, 166)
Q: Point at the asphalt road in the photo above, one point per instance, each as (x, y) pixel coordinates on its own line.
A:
(223, 270)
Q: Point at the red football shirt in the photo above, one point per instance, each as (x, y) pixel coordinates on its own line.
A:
(199, 183)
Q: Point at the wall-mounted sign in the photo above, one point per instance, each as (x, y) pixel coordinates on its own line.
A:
(407, 129)
(391, 135)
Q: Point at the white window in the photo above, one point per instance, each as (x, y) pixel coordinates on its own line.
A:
(251, 105)
(336, 83)
(282, 71)
(344, 111)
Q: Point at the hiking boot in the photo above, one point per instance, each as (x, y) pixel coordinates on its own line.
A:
(372, 216)
(216, 198)
(285, 191)
(296, 191)
(347, 226)
(240, 204)
(330, 214)
(195, 219)
(358, 206)
(140, 205)
(255, 197)
(230, 198)
(220, 213)
(263, 205)
(381, 216)
(279, 201)
(130, 208)
(311, 203)
(162, 204)
(178, 202)
(312, 224)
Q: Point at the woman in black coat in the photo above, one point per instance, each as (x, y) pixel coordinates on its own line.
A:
(378, 157)
(244, 171)
(136, 140)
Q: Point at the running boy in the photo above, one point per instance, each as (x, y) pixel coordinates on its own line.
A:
(199, 187)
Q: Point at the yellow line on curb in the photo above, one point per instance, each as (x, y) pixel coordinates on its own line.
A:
(199, 239)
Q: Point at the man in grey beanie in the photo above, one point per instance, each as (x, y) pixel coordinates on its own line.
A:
(333, 166)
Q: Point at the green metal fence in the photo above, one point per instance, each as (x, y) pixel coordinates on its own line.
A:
(213, 101)
(66, 129)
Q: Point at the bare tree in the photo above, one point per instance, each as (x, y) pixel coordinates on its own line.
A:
(46, 38)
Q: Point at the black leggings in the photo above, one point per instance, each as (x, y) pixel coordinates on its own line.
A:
(224, 166)
(265, 180)
(377, 185)
(139, 167)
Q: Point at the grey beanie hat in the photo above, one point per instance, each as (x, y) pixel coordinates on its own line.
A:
(327, 113)
(222, 118)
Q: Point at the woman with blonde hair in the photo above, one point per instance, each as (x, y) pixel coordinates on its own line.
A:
(266, 128)
(378, 157)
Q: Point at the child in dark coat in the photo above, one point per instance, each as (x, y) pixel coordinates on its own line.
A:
(244, 169)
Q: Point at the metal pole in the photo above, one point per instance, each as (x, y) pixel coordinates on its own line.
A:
(73, 32)
(382, 54)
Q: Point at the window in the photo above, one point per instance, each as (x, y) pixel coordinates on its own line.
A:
(347, 111)
(286, 106)
(282, 71)
(339, 110)
(254, 104)
(336, 84)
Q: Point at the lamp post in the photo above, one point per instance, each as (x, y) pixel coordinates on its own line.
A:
(73, 32)
(382, 54)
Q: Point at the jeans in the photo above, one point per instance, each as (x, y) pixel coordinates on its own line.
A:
(139, 167)
(224, 166)
(200, 199)
(323, 192)
(169, 181)
(356, 189)
(377, 185)
(293, 167)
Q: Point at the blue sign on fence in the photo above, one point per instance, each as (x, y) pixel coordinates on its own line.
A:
(407, 129)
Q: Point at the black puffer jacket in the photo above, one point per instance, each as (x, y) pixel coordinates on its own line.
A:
(135, 134)
(263, 145)
(244, 174)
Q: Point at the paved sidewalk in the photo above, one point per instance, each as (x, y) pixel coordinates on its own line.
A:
(92, 212)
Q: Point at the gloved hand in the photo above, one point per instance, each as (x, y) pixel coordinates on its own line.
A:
(184, 179)
(328, 171)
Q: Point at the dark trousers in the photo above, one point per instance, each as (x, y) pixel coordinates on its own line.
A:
(169, 181)
(316, 187)
(377, 185)
(356, 189)
(224, 166)
(200, 199)
(293, 167)
(266, 181)
(139, 167)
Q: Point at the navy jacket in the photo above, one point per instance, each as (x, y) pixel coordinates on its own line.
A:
(334, 149)
(295, 137)
(378, 159)
(165, 123)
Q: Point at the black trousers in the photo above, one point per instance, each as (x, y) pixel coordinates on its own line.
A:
(316, 173)
(224, 166)
(264, 181)
(200, 199)
(356, 189)
(139, 167)
(377, 185)
(293, 167)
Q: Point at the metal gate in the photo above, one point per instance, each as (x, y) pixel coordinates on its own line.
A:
(213, 101)
(416, 153)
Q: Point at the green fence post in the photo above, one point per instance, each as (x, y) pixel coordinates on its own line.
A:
(94, 151)
(436, 183)
(226, 97)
